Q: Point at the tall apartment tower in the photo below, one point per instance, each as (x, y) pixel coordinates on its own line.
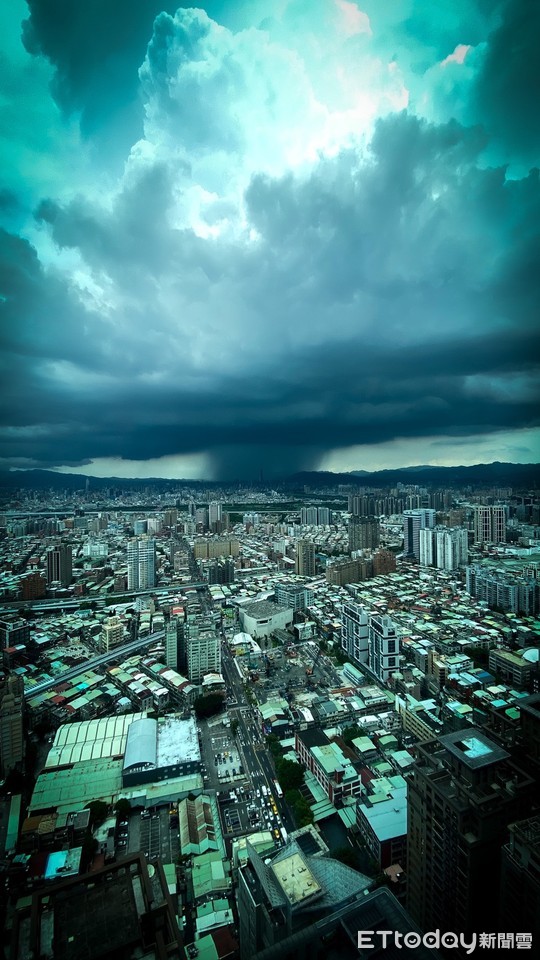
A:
(383, 647)
(520, 878)
(215, 516)
(489, 524)
(203, 654)
(443, 547)
(463, 793)
(60, 564)
(305, 558)
(171, 643)
(364, 533)
(413, 522)
(355, 632)
(11, 724)
(141, 564)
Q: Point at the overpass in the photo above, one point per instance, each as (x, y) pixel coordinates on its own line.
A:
(114, 654)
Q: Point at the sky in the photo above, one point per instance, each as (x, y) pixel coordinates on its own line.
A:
(268, 236)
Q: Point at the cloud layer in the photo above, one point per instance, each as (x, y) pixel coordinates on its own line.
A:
(324, 235)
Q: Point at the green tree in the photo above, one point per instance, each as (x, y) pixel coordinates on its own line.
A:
(234, 726)
(289, 774)
(98, 812)
(208, 705)
(123, 807)
(350, 733)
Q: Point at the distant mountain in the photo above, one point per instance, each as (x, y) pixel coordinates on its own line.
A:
(522, 475)
(517, 475)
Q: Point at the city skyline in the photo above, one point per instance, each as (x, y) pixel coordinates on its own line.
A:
(244, 239)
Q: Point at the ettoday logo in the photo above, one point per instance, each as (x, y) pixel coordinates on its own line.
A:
(369, 939)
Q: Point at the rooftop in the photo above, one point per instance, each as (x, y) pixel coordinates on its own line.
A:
(473, 748)
(295, 879)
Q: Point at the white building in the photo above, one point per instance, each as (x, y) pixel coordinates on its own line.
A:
(383, 652)
(112, 633)
(354, 631)
(203, 655)
(444, 547)
(262, 618)
(141, 564)
(413, 522)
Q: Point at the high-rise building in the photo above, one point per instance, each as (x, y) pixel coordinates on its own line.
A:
(355, 631)
(215, 516)
(323, 516)
(288, 891)
(203, 654)
(13, 630)
(171, 643)
(305, 558)
(112, 633)
(141, 564)
(309, 516)
(489, 524)
(443, 547)
(384, 561)
(463, 792)
(383, 647)
(11, 724)
(413, 522)
(60, 564)
(364, 533)
(33, 586)
(294, 596)
(520, 878)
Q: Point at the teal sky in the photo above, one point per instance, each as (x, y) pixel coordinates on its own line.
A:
(281, 235)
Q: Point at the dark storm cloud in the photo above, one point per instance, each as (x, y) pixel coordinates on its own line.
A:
(507, 90)
(382, 297)
(96, 48)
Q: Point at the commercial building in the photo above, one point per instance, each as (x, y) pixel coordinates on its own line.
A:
(59, 562)
(413, 522)
(463, 793)
(141, 563)
(281, 895)
(160, 750)
(293, 596)
(261, 618)
(329, 765)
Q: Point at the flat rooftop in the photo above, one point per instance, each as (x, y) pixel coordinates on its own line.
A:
(295, 879)
(473, 748)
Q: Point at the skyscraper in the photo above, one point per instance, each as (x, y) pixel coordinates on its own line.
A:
(364, 533)
(11, 724)
(141, 564)
(443, 547)
(355, 631)
(463, 792)
(489, 524)
(60, 564)
(383, 647)
(413, 522)
(305, 558)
